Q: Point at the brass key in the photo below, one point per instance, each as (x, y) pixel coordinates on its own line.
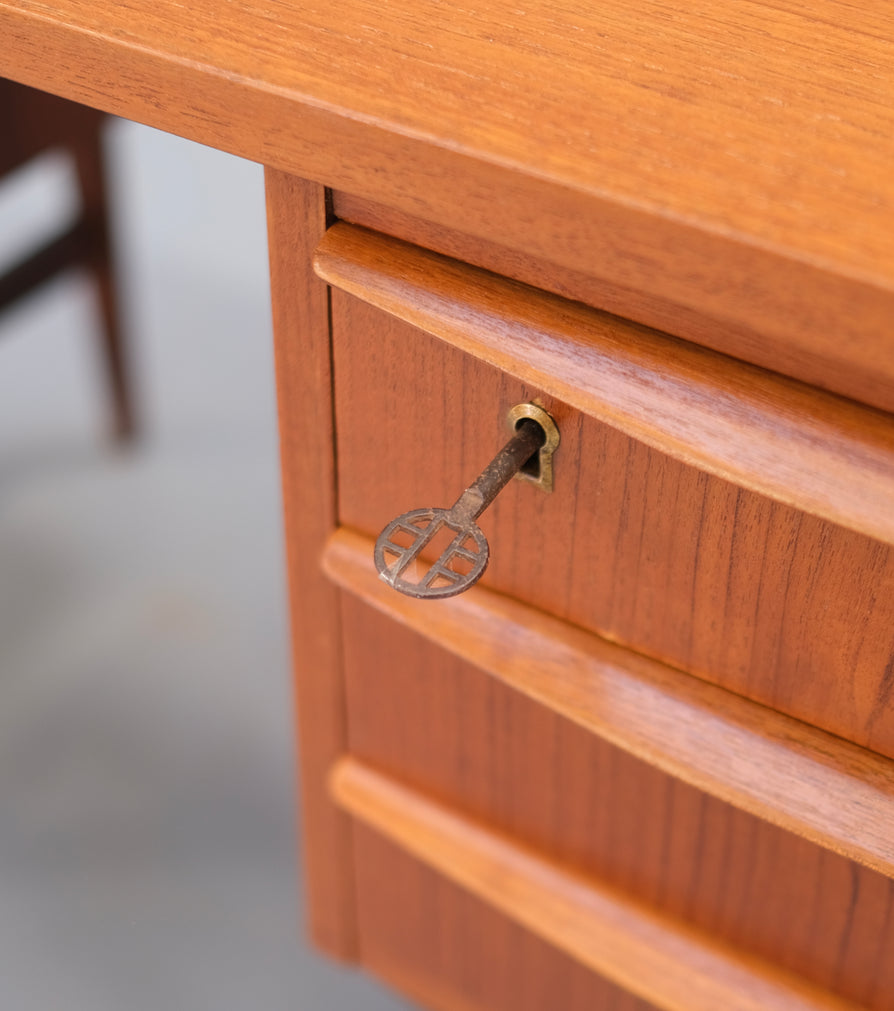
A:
(465, 558)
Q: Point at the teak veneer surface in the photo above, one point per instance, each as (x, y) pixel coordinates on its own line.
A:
(449, 731)
(785, 771)
(657, 957)
(660, 310)
(296, 217)
(732, 161)
(731, 158)
(823, 454)
(781, 607)
(478, 959)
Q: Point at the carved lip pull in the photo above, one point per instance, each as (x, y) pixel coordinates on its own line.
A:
(462, 560)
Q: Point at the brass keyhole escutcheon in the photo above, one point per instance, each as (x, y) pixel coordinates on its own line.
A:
(538, 470)
(461, 563)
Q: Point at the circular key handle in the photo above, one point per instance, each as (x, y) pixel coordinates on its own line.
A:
(460, 564)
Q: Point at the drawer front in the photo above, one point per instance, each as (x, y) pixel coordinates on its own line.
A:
(450, 951)
(432, 722)
(784, 608)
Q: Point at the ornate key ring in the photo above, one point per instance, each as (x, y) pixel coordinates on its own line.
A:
(401, 544)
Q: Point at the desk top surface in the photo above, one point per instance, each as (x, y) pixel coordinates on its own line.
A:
(761, 127)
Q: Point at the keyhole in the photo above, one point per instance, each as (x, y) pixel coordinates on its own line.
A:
(531, 467)
(539, 468)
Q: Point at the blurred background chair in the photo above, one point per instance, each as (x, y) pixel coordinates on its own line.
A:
(32, 122)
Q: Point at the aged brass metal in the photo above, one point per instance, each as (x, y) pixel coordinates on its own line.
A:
(541, 474)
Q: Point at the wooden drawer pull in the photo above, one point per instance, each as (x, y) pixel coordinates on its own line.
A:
(805, 780)
(818, 452)
(660, 959)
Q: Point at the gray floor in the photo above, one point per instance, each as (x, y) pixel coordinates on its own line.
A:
(146, 783)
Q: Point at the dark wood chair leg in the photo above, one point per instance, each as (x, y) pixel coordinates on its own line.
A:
(88, 156)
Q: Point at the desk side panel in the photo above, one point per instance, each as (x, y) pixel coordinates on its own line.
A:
(296, 218)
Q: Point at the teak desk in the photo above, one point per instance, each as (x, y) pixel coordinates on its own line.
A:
(649, 760)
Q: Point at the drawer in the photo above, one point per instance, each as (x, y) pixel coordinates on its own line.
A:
(779, 605)
(449, 734)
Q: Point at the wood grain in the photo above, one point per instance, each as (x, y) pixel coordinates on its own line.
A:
(423, 716)
(296, 216)
(825, 455)
(778, 606)
(661, 312)
(731, 158)
(443, 969)
(787, 772)
(651, 955)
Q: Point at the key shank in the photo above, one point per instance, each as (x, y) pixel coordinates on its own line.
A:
(528, 439)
